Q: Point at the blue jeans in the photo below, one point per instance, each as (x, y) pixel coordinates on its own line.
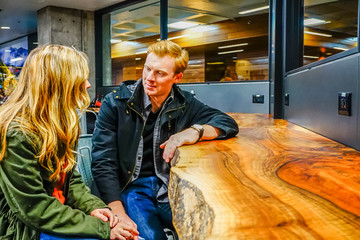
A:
(142, 207)
(44, 236)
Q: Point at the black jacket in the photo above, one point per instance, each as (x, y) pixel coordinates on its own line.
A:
(119, 128)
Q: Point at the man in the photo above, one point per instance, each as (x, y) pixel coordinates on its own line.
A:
(139, 127)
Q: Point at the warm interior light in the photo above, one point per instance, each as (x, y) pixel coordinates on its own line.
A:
(318, 34)
(5, 27)
(314, 21)
(182, 25)
(214, 63)
(115, 41)
(176, 37)
(314, 57)
(234, 51)
(340, 48)
(254, 10)
(137, 59)
(142, 52)
(234, 45)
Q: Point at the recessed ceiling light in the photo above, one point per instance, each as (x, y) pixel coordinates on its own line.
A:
(314, 57)
(233, 45)
(234, 51)
(314, 21)
(16, 59)
(254, 10)
(318, 34)
(340, 48)
(182, 25)
(115, 40)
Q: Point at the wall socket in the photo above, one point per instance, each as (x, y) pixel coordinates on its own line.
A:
(344, 103)
(257, 98)
(287, 99)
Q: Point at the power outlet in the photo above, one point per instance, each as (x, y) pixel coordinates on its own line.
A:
(257, 98)
(287, 99)
(344, 103)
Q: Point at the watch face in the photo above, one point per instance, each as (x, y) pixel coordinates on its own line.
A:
(198, 126)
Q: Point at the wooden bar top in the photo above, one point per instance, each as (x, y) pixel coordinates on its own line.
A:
(274, 180)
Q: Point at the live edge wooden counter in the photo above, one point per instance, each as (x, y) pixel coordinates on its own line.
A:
(275, 180)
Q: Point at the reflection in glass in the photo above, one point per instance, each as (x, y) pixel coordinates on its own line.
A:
(330, 27)
(226, 42)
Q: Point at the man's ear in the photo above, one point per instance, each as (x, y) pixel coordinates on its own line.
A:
(178, 77)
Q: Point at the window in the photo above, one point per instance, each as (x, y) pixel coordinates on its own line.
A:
(330, 27)
(225, 41)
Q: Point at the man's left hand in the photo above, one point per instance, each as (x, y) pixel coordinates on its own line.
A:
(188, 136)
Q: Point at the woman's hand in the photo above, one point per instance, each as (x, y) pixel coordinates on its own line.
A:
(105, 215)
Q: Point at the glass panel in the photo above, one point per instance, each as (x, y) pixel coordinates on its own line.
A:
(223, 44)
(12, 57)
(330, 27)
(133, 29)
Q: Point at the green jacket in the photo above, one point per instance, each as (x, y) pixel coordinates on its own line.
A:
(27, 207)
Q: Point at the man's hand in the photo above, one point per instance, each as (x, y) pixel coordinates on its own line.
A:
(187, 136)
(125, 225)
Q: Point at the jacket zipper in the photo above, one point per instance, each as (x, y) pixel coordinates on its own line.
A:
(133, 171)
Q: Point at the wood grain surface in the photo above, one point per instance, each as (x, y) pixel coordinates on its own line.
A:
(275, 180)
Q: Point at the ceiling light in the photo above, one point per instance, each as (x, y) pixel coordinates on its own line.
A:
(215, 63)
(314, 57)
(254, 10)
(5, 27)
(340, 48)
(7, 50)
(314, 21)
(204, 28)
(142, 52)
(16, 59)
(234, 51)
(234, 45)
(191, 62)
(181, 36)
(182, 25)
(137, 59)
(172, 38)
(115, 41)
(318, 34)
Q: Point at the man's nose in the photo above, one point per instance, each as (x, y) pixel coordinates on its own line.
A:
(150, 75)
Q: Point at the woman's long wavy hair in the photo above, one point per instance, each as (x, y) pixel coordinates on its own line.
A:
(51, 88)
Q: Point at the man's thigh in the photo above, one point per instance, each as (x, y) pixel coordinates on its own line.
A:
(140, 204)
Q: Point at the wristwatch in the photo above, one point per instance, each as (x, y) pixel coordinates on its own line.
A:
(199, 129)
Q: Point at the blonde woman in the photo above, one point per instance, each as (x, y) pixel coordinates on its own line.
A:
(41, 195)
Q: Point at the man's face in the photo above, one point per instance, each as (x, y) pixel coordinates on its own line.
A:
(159, 76)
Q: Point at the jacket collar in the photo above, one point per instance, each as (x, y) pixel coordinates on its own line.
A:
(135, 94)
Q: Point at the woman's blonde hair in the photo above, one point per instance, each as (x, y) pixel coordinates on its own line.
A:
(51, 88)
(167, 47)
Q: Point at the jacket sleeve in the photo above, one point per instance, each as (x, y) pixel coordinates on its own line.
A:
(104, 167)
(22, 185)
(201, 113)
(80, 197)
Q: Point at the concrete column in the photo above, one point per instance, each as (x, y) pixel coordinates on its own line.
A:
(70, 27)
